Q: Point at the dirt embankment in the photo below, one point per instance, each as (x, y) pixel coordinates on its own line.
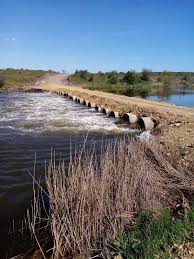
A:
(176, 134)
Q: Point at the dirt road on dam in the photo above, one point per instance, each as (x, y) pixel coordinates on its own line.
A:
(175, 133)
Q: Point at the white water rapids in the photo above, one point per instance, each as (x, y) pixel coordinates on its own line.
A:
(46, 112)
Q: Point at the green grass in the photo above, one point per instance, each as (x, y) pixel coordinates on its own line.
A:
(19, 77)
(151, 236)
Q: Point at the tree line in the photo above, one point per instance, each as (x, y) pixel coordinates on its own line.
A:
(132, 77)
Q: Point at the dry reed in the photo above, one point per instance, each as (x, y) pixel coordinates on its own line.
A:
(96, 198)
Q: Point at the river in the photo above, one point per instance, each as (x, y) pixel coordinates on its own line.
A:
(33, 125)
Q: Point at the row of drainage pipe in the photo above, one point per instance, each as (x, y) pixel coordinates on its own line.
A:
(144, 123)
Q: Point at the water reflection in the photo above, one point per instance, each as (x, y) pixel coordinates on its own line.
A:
(178, 96)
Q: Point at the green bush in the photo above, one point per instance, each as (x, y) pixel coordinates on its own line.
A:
(91, 78)
(146, 74)
(2, 81)
(130, 91)
(131, 77)
(84, 74)
(166, 77)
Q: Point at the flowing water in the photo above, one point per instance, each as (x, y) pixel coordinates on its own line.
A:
(31, 125)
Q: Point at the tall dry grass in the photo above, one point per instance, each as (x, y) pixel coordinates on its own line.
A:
(96, 198)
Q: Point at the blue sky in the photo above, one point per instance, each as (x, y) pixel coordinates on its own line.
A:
(97, 34)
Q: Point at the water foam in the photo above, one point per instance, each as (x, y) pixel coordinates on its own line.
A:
(44, 112)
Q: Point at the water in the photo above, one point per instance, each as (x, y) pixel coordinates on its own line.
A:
(31, 124)
(179, 97)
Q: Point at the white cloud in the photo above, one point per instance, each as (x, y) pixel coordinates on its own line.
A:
(9, 39)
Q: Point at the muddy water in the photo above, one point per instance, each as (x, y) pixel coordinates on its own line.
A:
(31, 125)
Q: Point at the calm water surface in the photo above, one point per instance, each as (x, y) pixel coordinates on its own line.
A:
(31, 125)
(180, 97)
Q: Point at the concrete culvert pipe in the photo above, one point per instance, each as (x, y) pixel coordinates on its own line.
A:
(103, 110)
(114, 114)
(111, 114)
(145, 123)
(130, 117)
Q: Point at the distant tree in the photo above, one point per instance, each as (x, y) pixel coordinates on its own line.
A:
(112, 80)
(100, 73)
(185, 79)
(131, 77)
(166, 77)
(2, 81)
(146, 74)
(84, 74)
(113, 77)
(91, 78)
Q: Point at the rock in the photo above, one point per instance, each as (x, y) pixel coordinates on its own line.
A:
(184, 152)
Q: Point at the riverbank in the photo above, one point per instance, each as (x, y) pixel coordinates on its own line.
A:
(137, 206)
(18, 79)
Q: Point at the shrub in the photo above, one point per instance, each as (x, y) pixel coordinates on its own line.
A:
(146, 75)
(84, 74)
(91, 78)
(131, 77)
(166, 77)
(130, 91)
(2, 81)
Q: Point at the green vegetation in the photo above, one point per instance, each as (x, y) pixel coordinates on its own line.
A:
(2, 81)
(18, 77)
(132, 83)
(151, 236)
